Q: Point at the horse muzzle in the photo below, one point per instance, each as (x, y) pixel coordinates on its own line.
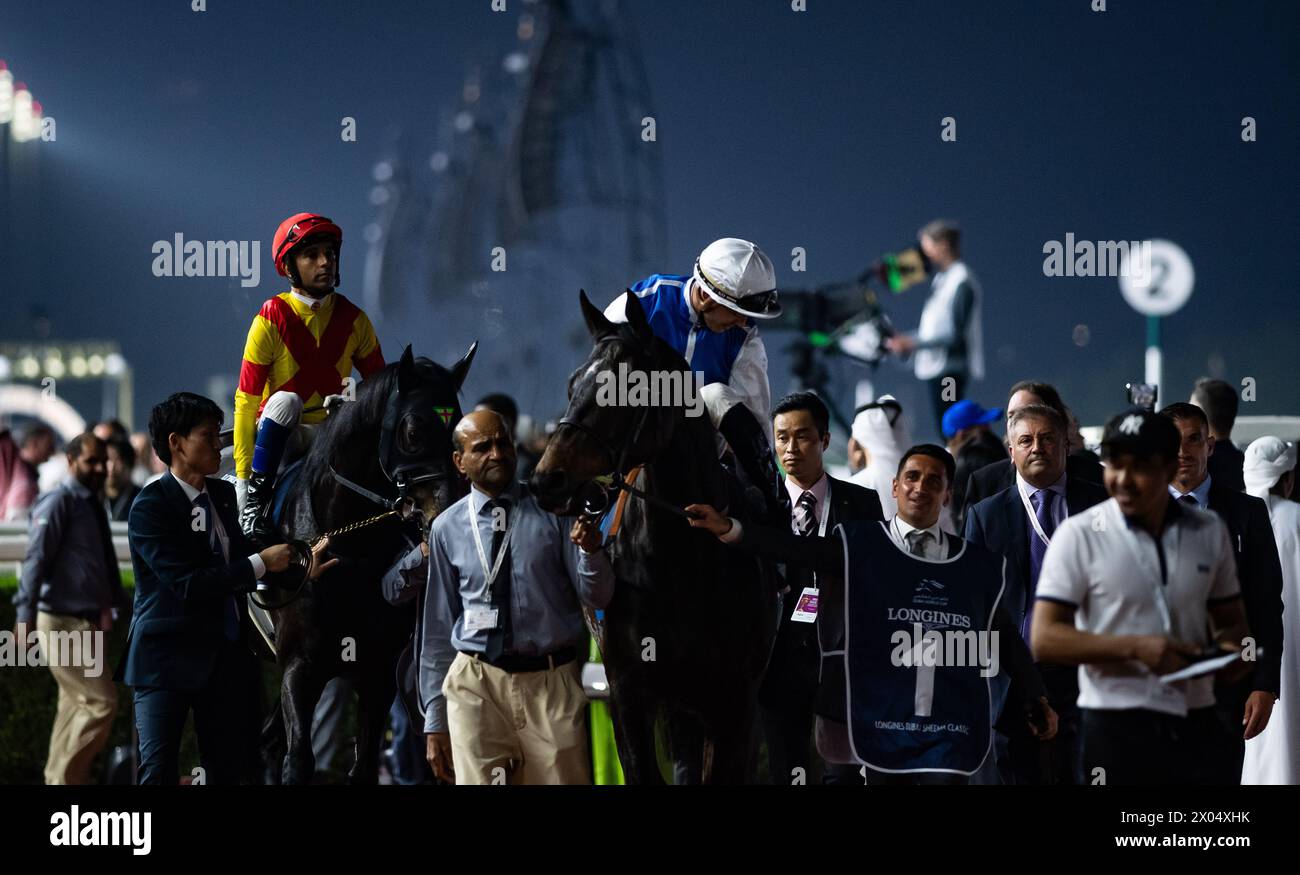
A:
(553, 491)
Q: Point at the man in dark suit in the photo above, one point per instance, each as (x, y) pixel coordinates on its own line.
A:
(1244, 706)
(1017, 523)
(922, 488)
(193, 566)
(801, 433)
(1219, 401)
(992, 479)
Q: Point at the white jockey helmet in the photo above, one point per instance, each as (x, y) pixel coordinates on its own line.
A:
(739, 276)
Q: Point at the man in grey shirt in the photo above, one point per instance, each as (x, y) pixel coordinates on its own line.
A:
(71, 588)
(501, 624)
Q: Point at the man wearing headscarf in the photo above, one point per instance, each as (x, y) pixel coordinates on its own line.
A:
(1273, 756)
(882, 434)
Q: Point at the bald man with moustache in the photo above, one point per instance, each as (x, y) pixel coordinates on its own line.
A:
(502, 623)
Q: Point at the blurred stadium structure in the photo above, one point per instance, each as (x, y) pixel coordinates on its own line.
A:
(540, 155)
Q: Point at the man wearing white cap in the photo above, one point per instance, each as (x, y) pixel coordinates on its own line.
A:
(1273, 756)
(732, 284)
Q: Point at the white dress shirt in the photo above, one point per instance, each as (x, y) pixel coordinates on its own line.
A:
(259, 567)
(935, 548)
(819, 490)
(1200, 493)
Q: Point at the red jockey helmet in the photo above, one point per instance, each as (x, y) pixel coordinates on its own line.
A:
(294, 230)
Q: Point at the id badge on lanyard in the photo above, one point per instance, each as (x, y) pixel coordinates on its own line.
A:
(805, 609)
(489, 574)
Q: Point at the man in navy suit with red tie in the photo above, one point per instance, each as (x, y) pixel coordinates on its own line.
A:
(193, 567)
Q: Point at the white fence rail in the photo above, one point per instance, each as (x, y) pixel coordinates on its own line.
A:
(13, 545)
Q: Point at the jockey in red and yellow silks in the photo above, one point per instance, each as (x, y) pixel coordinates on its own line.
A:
(301, 347)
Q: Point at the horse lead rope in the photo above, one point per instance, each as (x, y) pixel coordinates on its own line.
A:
(352, 527)
(311, 545)
(616, 482)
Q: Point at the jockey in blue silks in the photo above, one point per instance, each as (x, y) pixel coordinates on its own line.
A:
(709, 318)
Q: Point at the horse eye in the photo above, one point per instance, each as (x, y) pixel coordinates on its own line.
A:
(410, 436)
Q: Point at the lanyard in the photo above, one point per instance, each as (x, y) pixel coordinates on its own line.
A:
(489, 575)
(1029, 509)
(821, 527)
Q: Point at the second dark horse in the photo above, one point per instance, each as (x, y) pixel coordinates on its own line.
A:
(393, 440)
(690, 628)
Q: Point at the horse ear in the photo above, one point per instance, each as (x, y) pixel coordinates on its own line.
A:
(636, 317)
(597, 324)
(460, 370)
(405, 369)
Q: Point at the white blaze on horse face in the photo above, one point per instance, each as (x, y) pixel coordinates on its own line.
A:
(607, 390)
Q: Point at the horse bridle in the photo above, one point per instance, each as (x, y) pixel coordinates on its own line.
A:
(609, 485)
(403, 506)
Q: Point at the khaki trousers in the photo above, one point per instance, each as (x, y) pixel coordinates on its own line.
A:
(85, 711)
(521, 728)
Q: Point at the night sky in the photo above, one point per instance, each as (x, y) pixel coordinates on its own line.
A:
(818, 129)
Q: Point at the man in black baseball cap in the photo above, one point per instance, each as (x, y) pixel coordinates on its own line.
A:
(1154, 585)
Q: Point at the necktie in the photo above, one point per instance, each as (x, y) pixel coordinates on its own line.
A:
(1044, 503)
(231, 620)
(805, 514)
(1189, 500)
(916, 541)
(500, 639)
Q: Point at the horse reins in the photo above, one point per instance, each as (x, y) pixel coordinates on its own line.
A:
(616, 481)
(401, 507)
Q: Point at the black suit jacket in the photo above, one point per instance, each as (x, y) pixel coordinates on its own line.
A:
(984, 450)
(182, 591)
(1259, 571)
(792, 672)
(1225, 466)
(1000, 524)
(992, 479)
(826, 555)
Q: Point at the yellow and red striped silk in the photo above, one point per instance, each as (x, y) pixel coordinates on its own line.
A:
(293, 348)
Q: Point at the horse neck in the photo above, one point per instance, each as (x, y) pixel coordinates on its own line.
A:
(686, 471)
(333, 499)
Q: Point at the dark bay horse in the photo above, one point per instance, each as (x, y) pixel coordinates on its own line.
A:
(394, 441)
(690, 628)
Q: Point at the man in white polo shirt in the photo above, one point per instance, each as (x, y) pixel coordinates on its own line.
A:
(1129, 590)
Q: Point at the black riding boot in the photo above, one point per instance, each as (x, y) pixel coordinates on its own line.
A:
(255, 519)
(754, 455)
